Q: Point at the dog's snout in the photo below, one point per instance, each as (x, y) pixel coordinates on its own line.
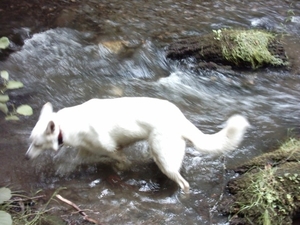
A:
(27, 156)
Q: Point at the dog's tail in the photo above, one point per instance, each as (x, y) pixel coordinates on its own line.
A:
(223, 141)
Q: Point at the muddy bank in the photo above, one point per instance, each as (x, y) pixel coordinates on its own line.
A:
(42, 15)
(22, 19)
(267, 188)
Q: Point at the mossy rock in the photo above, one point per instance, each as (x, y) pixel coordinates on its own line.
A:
(267, 191)
(238, 48)
(288, 152)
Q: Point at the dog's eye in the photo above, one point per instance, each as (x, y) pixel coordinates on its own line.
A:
(37, 145)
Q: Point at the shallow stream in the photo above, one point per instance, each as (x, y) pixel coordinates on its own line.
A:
(126, 57)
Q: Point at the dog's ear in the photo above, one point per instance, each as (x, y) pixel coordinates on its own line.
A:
(46, 110)
(50, 128)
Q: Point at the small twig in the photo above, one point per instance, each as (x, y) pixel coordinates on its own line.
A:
(81, 212)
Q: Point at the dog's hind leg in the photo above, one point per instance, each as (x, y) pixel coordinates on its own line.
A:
(168, 152)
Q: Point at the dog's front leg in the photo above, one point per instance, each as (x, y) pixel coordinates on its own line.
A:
(122, 162)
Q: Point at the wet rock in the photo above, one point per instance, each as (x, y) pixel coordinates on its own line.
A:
(115, 47)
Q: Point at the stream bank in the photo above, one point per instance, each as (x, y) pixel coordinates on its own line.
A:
(266, 190)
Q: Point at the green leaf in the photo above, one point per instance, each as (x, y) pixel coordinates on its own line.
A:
(5, 218)
(4, 43)
(5, 194)
(3, 108)
(25, 110)
(14, 84)
(4, 98)
(4, 74)
(12, 118)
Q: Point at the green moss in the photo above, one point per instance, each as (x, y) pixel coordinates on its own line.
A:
(249, 47)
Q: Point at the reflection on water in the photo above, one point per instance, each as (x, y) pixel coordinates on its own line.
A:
(67, 67)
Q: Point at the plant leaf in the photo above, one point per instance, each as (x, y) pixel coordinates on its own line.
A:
(5, 194)
(5, 218)
(4, 43)
(25, 110)
(14, 84)
(12, 117)
(4, 98)
(4, 74)
(3, 108)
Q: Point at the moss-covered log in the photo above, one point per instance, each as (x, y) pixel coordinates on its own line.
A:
(237, 48)
(267, 192)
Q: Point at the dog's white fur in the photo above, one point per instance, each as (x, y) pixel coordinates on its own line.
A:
(104, 126)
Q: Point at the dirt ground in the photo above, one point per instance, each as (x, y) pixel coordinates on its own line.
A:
(40, 15)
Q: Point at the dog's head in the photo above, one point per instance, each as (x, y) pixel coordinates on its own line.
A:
(45, 134)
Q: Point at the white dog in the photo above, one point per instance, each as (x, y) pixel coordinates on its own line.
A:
(104, 126)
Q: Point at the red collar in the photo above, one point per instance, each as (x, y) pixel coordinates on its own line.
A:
(60, 138)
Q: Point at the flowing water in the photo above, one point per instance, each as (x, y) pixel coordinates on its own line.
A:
(125, 56)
